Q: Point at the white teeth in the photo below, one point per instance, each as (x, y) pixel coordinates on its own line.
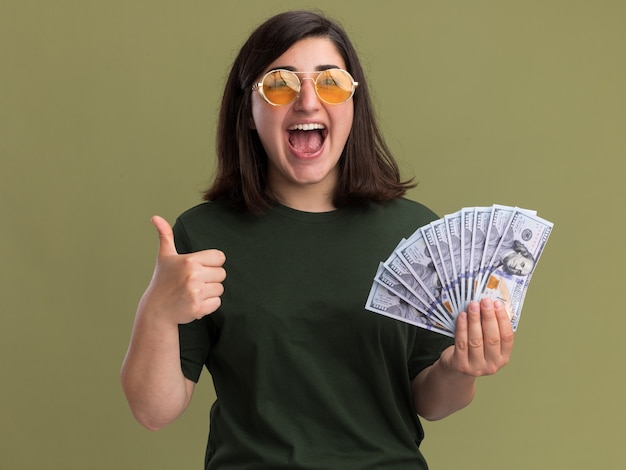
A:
(306, 127)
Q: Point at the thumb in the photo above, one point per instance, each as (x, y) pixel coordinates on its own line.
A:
(166, 236)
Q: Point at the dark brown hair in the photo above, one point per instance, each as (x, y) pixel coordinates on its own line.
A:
(368, 171)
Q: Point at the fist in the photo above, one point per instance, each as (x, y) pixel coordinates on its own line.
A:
(184, 287)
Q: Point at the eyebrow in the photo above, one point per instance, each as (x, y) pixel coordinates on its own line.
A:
(319, 68)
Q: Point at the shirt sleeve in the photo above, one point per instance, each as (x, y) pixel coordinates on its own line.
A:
(194, 337)
(427, 348)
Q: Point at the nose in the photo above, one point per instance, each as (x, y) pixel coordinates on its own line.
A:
(307, 99)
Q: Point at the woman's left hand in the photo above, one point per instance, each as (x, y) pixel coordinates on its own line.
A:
(483, 341)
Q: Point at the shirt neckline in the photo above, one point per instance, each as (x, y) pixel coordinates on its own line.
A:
(308, 217)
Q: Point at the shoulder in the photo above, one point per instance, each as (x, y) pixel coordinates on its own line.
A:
(203, 225)
(379, 227)
(413, 207)
(404, 211)
(202, 210)
(213, 213)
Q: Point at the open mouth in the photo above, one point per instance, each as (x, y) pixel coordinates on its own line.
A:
(307, 138)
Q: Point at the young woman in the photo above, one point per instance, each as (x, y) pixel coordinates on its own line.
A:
(307, 200)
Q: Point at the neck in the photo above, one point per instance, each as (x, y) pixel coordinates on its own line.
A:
(305, 197)
(306, 200)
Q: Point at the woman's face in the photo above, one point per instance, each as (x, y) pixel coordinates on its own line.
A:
(302, 164)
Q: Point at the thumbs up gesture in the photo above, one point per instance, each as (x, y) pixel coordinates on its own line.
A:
(183, 287)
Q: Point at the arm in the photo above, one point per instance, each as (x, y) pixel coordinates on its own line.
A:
(183, 288)
(482, 346)
(151, 376)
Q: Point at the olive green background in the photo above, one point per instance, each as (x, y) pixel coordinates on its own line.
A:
(107, 116)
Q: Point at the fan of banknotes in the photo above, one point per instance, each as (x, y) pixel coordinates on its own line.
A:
(474, 253)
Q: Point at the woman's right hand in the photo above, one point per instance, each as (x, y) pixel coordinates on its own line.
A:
(183, 287)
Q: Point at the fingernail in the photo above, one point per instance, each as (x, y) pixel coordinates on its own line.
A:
(473, 307)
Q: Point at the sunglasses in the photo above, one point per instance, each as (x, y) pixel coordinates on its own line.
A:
(333, 86)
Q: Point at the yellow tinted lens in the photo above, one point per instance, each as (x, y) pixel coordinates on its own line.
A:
(281, 86)
(334, 86)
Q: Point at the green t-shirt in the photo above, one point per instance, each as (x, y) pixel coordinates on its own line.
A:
(305, 377)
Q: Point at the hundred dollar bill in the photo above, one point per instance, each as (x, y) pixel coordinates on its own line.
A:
(467, 220)
(479, 235)
(397, 267)
(389, 280)
(415, 255)
(453, 224)
(499, 221)
(413, 295)
(383, 302)
(436, 238)
(385, 277)
(509, 272)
